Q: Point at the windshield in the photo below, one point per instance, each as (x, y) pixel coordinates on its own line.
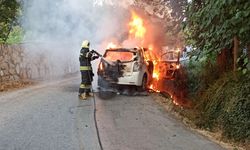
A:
(170, 56)
(119, 55)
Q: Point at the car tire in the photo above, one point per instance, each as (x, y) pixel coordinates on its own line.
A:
(143, 87)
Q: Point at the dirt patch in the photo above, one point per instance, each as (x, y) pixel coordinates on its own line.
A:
(186, 115)
(11, 85)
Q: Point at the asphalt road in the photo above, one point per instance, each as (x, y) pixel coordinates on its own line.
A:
(49, 116)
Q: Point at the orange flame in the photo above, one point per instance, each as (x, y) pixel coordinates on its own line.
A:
(156, 75)
(137, 30)
(137, 26)
(175, 102)
(153, 88)
(101, 66)
(111, 45)
(150, 47)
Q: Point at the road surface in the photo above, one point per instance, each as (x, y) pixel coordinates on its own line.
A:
(49, 116)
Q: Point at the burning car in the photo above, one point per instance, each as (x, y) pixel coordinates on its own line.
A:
(169, 64)
(121, 67)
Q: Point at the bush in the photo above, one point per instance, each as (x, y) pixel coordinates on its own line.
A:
(221, 101)
(200, 75)
(225, 104)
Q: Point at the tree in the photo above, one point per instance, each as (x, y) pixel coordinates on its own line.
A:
(213, 25)
(9, 10)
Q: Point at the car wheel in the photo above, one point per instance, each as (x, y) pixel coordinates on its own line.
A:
(144, 83)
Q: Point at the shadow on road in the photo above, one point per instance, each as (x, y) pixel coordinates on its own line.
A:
(108, 95)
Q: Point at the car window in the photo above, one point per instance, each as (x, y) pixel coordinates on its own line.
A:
(171, 56)
(119, 55)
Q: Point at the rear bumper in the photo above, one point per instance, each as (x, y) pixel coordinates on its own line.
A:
(134, 79)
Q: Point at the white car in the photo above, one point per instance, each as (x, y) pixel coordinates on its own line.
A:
(121, 67)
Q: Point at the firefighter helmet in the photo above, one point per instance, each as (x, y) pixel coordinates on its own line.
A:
(85, 44)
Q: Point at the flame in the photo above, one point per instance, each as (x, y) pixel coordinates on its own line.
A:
(101, 66)
(154, 88)
(178, 66)
(111, 45)
(137, 26)
(151, 47)
(156, 75)
(175, 102)
(178, 50)
(138, 30)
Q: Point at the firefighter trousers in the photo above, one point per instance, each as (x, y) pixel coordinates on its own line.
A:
(85, 86)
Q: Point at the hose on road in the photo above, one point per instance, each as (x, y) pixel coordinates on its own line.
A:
(96, 125)
(95, 120)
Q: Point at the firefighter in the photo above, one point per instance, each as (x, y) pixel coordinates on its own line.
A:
(85, 58)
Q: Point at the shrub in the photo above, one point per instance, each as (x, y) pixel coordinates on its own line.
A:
(226, 104)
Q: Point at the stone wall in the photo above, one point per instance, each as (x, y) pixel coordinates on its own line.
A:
(11, 59)
(13, 71)
(17, 68)
(25, 62)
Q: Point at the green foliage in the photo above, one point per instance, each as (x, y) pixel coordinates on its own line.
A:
(16, 35)
(222, 101)
(225, 104)
(9, 10)
(194, 68)
(212, 24)
(201, 73)
(243, 60)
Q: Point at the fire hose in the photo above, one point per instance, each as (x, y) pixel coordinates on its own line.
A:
(95, 52)
(94, 108)
(104, 59)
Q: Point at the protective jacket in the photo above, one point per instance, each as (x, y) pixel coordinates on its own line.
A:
(85, 59)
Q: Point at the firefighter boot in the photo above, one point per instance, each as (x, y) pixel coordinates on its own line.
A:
(90, 94)
(83, 96)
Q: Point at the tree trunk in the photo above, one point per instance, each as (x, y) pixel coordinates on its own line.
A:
(235, 52)
(248, 51)
(221, 60)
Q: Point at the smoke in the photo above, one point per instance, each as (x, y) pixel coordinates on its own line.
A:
(55, 30)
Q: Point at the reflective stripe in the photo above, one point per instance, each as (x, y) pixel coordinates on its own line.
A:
(88, 54)
(84, 86)
(82, 68)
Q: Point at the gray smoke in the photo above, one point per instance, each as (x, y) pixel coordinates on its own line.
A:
(56, 28)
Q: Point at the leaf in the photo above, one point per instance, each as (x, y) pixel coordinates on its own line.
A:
(238, 60)
(244, 71)
(245, 61)
(218, 21)
(9, 11)
(238, 15)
